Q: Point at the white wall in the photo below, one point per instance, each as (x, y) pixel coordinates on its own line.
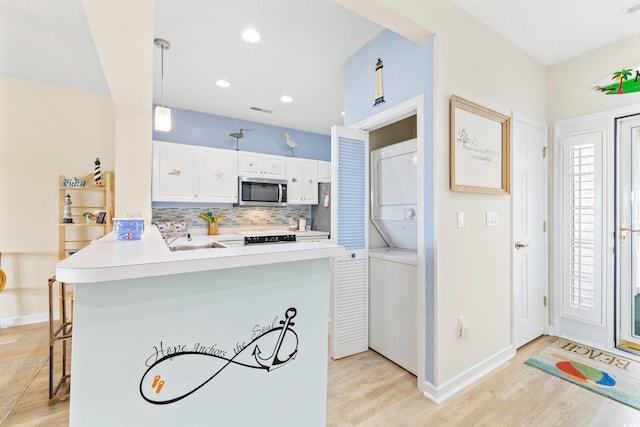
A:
(49, 131)
(123, 34)
(473, 268)
(46, 131)
(570, 89)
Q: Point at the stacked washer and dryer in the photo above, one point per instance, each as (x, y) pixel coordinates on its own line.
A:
(393, 279)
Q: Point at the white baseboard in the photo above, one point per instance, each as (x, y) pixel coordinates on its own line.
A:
(439, 394)
(26, 320)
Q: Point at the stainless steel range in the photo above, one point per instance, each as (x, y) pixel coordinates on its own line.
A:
(257, 237)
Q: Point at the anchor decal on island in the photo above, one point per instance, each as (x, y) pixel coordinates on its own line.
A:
(179, 374)
(273, 361)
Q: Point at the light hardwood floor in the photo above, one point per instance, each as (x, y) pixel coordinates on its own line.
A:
(368, 390)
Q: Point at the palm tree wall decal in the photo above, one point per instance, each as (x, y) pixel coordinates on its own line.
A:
(621, 76)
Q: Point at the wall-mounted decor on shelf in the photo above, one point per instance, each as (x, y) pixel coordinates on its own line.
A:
(479, 149)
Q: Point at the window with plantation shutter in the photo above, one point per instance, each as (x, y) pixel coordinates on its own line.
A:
(582, 239)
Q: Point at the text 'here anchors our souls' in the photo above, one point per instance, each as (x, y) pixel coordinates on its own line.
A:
(162, 349)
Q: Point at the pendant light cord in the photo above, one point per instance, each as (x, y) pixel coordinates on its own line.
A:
(162, 71)
(163, 45)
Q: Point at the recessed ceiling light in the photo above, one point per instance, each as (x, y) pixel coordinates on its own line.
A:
(251, 36)
(223, 83)
(286, 98)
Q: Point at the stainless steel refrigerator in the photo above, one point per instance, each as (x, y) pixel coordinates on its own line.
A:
(321, 213)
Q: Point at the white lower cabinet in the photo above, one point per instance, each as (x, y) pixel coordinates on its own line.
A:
(302, 185)
(187, 173)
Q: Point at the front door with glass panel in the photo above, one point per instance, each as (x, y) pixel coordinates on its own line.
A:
(628, 233)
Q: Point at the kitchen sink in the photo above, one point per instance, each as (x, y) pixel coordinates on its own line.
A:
(194, 246)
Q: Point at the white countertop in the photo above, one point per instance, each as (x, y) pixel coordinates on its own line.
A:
(238, 233)
(108, 259)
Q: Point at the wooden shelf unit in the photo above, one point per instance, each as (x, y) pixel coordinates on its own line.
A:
(73, 243)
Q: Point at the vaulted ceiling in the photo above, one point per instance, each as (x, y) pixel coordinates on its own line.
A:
(301, 54)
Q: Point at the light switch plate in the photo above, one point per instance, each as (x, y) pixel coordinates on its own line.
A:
(492, 219)
(460, 219)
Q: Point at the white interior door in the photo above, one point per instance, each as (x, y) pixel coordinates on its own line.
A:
(529, 201)
(628, 241)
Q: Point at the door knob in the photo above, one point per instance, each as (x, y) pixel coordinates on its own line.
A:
(520, 245)
(623, 232)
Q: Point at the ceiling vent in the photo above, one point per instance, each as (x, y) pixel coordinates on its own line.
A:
(262, 110)
(632, 8)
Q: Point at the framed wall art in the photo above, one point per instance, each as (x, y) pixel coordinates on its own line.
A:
(480, 160)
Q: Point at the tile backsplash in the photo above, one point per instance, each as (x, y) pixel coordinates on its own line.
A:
(234, 217)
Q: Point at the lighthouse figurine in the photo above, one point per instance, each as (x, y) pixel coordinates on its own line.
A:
(66, 214)
(379, 92)
(97, 178)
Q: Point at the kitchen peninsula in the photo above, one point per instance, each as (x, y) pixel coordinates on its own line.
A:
(220, 336)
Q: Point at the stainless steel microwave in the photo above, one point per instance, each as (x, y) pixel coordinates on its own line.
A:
(262, 191)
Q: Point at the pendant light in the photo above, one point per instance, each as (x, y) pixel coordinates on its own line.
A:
(162, 115)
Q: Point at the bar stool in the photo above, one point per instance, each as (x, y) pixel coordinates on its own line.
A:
(60, 331)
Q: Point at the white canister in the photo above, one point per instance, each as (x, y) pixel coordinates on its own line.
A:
(302, 224)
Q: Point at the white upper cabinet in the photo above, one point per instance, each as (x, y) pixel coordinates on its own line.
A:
(302, 185)
(261, 165)
(175, 176)
(324, 171)
(187, 173)
(218, 176)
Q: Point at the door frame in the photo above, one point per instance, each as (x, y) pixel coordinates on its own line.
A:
(622, 342)
(597, 335)
(542, 126)
(413, 106)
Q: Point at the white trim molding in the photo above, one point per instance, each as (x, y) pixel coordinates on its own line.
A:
(415, 106)
(439, 394)
(27, 320)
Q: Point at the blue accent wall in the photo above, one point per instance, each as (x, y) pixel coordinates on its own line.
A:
(208, 130)
(407, 72)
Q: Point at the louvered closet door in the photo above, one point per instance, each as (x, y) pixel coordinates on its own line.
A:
(350, 218)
